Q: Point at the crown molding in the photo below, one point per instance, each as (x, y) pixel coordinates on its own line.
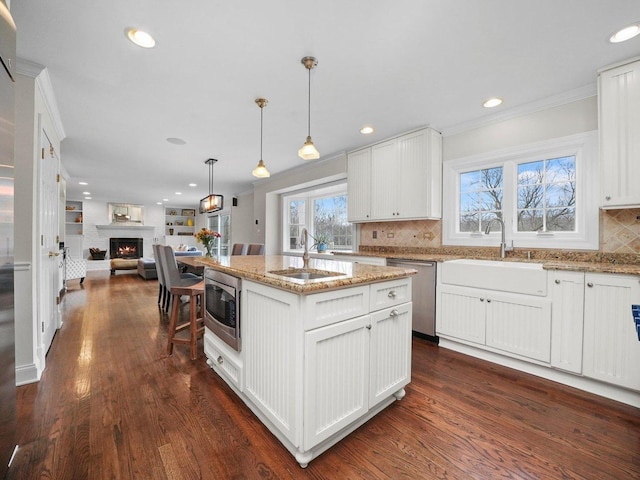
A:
(41, 76)
(528, 108)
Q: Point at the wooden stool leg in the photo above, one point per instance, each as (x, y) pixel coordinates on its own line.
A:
(173, 322)
(193, 324)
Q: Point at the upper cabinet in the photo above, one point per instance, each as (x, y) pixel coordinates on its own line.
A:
(399, 179)
(619, 124)
(73, 218)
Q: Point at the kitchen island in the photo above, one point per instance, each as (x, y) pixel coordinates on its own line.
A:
(319, 356)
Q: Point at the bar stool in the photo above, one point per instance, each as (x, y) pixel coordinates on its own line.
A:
(195, 324)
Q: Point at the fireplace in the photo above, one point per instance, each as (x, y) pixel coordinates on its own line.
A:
(125, 247)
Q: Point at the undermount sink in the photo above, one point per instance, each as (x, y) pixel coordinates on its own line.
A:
(515, 277)
(306, 274)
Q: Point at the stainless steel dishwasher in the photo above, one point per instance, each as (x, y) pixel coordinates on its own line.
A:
(423, 293)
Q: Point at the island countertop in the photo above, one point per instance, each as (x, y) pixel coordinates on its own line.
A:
(260, 267)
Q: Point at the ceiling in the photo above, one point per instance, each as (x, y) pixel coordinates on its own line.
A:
(396, 65)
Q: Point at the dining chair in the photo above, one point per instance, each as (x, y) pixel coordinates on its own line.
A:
(172, 275)
(162, 284)
(255, 249)
(239, 249)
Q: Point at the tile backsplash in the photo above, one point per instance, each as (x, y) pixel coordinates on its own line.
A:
(619, 232)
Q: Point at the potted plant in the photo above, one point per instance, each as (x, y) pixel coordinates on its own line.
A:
(322, 240)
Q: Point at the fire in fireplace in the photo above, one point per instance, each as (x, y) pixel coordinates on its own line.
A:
(125, 247)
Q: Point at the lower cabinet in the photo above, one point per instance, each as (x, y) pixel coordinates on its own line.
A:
(567, 300)
(517, 324)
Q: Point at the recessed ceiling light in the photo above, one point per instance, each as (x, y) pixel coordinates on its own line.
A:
(140, 38)
(176, 141)
(178, 193)
(158, 203)
(366, 130)
(492, 102)
(165, 199)
(87, 198)
(625, 33)
(83, 183)
(193, 185)
(86, 193)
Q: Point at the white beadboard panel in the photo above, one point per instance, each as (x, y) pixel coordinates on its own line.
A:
(390, 352)
(331, 307)
(388, 294)
(336, 378)
(521, 326)
(611, 346)
(269, 357)
(567, 320)
(462, 314)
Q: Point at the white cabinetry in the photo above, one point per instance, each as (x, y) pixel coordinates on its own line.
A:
(399, 179)
(611, 345)
(567, 311)
(619, 118)
(315, 367)
(512, 323)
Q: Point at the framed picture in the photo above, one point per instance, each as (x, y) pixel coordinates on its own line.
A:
(187, 212)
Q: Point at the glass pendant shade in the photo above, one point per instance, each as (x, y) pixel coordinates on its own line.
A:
(308, 151)
(212, 202)
(261, 170)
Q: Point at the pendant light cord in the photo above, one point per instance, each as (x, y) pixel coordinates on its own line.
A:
(309, 107)
(261, 109)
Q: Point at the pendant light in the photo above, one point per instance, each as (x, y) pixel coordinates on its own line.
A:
(261, 171)
(308, 150)
(212, 202)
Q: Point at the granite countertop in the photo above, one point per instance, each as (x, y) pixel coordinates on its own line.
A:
(259, 268)
(594, 262)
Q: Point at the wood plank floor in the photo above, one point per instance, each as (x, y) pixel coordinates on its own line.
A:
(112, 405)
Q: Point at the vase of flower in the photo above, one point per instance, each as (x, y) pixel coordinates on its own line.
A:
(207, 238)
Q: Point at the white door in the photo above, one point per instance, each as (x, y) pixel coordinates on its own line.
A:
(47, 272)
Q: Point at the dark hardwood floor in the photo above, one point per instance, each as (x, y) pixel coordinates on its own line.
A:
(111, 405)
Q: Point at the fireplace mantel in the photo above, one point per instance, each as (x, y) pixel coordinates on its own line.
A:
(124, 227)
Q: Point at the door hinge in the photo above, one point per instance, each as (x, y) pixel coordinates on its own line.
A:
(42, 327)
(57, 300)
(58, 177)
(57, 238)
(42, 240)
(42, 153)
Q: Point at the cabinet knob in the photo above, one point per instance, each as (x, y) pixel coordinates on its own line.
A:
(394, 313)
(220, 360)
(590, 285)
(391, 294)
(488, 300)
(608, 197)
(369, 327)
(482, 299)
(557, 281)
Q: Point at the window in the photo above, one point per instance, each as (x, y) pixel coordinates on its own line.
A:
(323, 212)
(546, 195)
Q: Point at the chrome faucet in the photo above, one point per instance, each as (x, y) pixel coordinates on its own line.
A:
(304, 240)
(503, 243)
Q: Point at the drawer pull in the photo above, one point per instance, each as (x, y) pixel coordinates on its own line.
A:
(488, 300)
(482, 299)
(557, 282)
(394, 313)
(392, 294)
(590, 285)
(369, 327)
(220, 360)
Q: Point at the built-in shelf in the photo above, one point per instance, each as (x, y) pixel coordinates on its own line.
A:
(73, 221)
(115, 226)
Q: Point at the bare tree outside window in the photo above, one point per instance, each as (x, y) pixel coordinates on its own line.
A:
(547, 195)
(480, 198)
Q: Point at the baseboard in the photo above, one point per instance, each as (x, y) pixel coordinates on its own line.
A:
(26, 374)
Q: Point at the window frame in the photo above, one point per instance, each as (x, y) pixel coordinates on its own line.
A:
(309, 195)
(584, 146)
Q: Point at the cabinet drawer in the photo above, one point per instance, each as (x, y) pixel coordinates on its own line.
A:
(223, 360)
(331, 307)
(388, 294)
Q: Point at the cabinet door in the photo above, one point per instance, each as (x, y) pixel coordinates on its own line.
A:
(385, 174)
(519, 324)
(611, 345)
(620, 135)
(567, 320)
(390, 352)
(359, 185)
(336, 373)
(420, 173)
(461, 314)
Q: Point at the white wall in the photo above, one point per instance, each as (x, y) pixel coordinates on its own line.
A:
(568, 119)
(242, 220)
